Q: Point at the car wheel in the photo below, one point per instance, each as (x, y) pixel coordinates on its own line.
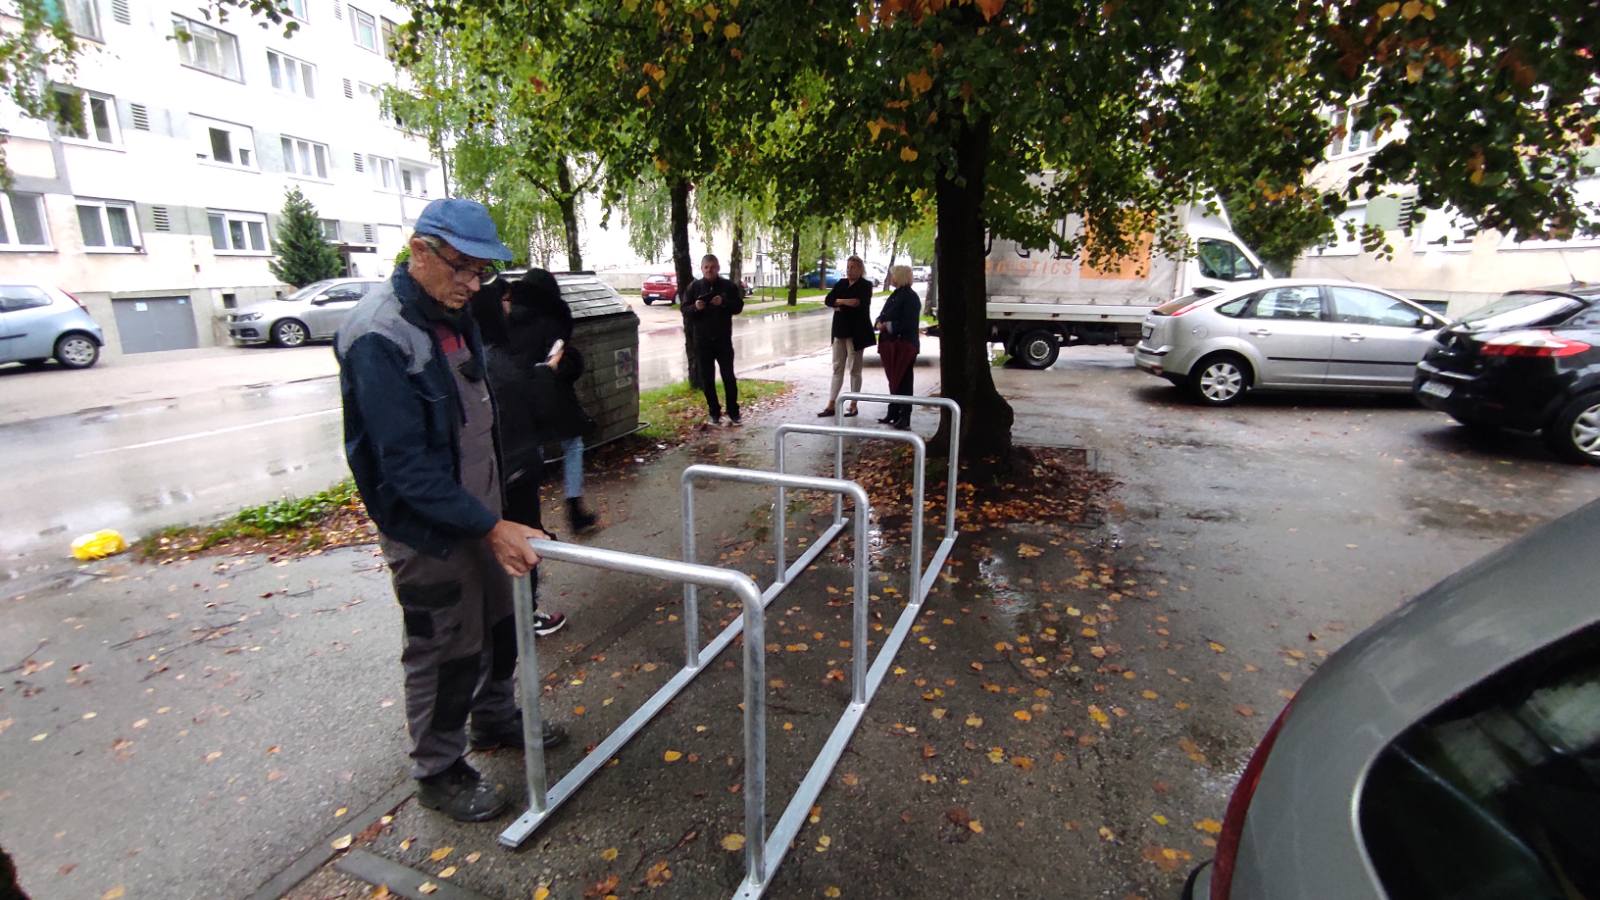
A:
(1574, 433)
(1219, 380)
(77, 351)
(289, 333)
(648, 301)
(1037, 349)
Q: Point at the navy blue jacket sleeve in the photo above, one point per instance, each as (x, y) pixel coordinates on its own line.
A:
(393, 417)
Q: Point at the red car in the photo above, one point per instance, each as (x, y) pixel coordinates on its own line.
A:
(660, 287)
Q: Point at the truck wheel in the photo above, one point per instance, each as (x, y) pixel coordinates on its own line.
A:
(1574, 433)
(1037, 349)
(1220, 379)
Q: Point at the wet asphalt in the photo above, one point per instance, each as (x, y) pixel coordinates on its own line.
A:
(1086, 694)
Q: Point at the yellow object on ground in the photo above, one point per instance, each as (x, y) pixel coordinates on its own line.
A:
(99, 544)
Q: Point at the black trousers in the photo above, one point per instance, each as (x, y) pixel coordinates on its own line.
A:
(718, 355)
(900, 413)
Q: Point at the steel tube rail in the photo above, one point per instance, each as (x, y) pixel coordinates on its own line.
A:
(952, 476)
(919, 462)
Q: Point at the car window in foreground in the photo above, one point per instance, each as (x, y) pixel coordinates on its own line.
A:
(309, 290)
(1302, 302)
(21, 296)
(1356, 306)
(1496, 793)
(1520, 309)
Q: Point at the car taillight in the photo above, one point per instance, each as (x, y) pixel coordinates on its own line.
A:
(75, 299)
(1190, 307)
(1531, 343)
(1238, 805)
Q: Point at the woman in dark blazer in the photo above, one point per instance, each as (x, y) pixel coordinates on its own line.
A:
(851, 301)
(898, 326)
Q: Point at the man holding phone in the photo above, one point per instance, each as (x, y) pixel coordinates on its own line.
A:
(708, 310)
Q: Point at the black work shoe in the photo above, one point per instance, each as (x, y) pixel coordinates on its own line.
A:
(509, 734)
(581, 520)
(462, 794)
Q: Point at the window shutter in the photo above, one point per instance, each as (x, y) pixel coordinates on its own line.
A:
(141, 116)
(361, 163)
(1408, 205)
(338, 10)
(163, 221)
(120, 12)
(349, 90)
(369, 233)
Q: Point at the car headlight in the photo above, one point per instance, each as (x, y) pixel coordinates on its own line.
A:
(247, 317)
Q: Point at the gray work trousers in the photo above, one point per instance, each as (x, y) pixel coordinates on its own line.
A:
(460, 654)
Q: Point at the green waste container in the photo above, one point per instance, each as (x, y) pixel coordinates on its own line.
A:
(606, 331)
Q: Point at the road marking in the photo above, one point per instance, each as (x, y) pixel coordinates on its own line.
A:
(205, 434)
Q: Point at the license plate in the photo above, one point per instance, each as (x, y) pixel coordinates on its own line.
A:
(1437, 389)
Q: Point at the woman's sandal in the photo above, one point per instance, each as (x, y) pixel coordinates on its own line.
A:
(852, 411)
(825, 413)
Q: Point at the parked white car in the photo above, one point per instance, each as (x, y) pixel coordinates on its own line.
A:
(312, 313)
(1287, 334)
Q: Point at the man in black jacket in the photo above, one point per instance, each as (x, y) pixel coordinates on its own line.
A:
(708, 310)
(419, 428)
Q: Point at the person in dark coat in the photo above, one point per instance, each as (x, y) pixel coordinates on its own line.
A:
(851, 300)
(898, 327)
(708, 310)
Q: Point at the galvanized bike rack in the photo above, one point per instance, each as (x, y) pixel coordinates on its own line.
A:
(953, 465)
(867, 675)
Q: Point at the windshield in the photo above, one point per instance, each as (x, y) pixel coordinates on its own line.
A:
(309, 290)
(1520, 309)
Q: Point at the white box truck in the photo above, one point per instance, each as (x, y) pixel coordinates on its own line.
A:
(1039, 301)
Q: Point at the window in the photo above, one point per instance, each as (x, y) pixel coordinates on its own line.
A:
(1346, 138)
(1346, 237)
(365, 28)
(1491, 795)
(207, 49)
(1355, 306)
(414, 181)
(238, 232)
(1302, 302)
(1223, 261)
(82, 15)
(296, 8)
(225, 142)
(1586, 192)
(330, 230)
(382, 171)
(390, 38)
(86, 115)
(374, 95)
(22, 222)
(14, 297)
(302, 157)
(294, 76)
(108, 225)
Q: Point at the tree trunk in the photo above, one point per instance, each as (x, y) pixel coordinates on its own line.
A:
(568, 201)
(822, 262)
(894, 245)
(736, 255)
(964, 373)
(684, 269)
(794, 268)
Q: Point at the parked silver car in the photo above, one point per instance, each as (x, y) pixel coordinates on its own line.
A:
(1291, 334)
(1449, 752)
(314, 312)
(38, 323)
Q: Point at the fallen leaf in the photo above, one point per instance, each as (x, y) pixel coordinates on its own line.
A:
(733, 843)
(340, 811)
(1216, 647)
(473, 857)
(441, 853)
(1209, 826)
(343, 843)
(609, 854)
(542, 892)
(830, 891)
(1243, 710)
(427, 887)
(1023, 715)
(1107, 834)
(658, 874)
(973, 721)
(114, 893)
(213, 756)
(672, 756)
(447, 871)
(976, 826)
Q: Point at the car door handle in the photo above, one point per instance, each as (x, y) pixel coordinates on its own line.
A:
(1261, 332)
(1354, 338)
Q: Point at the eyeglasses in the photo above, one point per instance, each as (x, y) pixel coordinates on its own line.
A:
(463, 272)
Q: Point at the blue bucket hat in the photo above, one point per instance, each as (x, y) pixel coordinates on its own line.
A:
(464, 225)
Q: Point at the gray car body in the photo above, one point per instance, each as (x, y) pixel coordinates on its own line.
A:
(1290, 354)
(31, 333)
(321, 307)
(1301, 838)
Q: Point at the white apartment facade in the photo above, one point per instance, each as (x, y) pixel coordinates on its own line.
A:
(1445, 257)
(158, 207)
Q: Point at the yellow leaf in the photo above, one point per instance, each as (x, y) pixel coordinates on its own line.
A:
(930, 779)
(447, 871)
(608, 854)
(973, 721)
(733, 843)
(340, 811)
(1023, 715)
(672, 756)
(343, 843)
(644, 91)
(1150, 695)
(441, 853)
(1411, 9)
(1107, 833)
(938, 712)
(1159, 819)
(997, 755)
(427, 887)
(830, 891)
(731, 30)
(1216, 647)
(1414, 71)
(919, 82)
(1388, 10)
(541, 893)
(976, 826)
(473, 857)
(1209, 826)
(114, 893)
(1099, 717)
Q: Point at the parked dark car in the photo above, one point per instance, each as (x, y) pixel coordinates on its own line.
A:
(809, 279)
(1529, 361)
(660, 287)
(1449, 752)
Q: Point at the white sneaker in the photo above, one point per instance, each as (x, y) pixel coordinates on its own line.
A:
(715, 421)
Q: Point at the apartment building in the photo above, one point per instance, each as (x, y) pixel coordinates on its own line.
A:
(1445, 257)
(156, 202)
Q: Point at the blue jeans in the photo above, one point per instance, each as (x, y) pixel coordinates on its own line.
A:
(572, 466)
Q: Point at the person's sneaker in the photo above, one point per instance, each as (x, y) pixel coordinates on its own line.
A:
(713, 421)
(462, 794)
(546, 624)
(509, 734)
(735, 421)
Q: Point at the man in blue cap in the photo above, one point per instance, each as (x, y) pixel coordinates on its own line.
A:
(419, 426)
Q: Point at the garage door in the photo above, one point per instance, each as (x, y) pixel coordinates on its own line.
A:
(155, 323)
